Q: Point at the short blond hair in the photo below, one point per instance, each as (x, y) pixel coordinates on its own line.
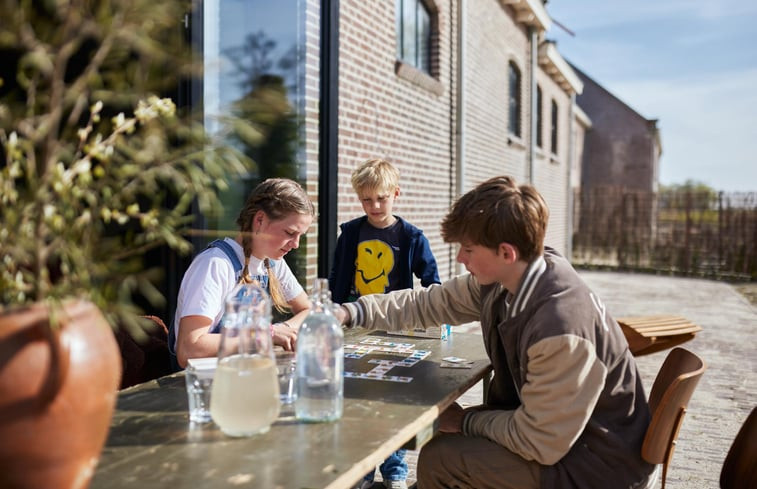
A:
(375, 174)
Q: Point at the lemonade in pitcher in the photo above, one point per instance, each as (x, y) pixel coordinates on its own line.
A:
(245, 398)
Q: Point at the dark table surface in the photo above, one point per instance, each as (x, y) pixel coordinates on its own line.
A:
(152, 443)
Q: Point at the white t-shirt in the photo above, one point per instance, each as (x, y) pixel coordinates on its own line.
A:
(211, 277)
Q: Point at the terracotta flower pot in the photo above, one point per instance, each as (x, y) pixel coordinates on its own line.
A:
(57, 393)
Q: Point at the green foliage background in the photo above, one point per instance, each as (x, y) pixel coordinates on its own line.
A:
(87, 185)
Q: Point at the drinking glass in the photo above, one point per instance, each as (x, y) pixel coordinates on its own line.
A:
(285, 363)
(245, 396)
(199, 383)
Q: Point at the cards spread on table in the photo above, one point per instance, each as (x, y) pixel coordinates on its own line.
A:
(456, 362)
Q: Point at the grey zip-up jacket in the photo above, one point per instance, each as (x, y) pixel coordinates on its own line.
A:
(566, 391)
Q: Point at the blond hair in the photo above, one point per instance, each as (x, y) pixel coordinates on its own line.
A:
(278, 198)
(499, 211)
(375, 174)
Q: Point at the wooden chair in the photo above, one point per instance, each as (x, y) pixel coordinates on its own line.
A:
(650, 334)
(671, 391)
(740, 465)
(146, 359)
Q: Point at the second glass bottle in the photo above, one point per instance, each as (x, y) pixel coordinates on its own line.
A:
(320, 360)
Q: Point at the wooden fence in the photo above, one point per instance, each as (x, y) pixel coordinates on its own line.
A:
(675, 231)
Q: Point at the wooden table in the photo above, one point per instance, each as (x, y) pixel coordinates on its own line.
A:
(152, 444)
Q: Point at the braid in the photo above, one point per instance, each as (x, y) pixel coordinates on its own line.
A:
(274, 288)
(245, 278)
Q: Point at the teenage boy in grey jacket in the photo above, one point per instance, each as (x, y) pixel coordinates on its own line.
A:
(566, 407)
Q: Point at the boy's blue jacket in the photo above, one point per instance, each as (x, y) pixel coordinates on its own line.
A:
(414, 248)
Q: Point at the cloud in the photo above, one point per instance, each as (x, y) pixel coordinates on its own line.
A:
(692, 64)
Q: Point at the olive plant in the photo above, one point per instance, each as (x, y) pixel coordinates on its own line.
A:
(97, 165)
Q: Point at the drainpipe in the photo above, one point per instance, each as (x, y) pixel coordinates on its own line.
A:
(571, 160)
(532, 143)
(460, 119)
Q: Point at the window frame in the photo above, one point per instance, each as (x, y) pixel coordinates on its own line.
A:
(515, 99)
(421, 56)
(554, 127)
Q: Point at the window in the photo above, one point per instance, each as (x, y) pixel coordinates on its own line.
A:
(414, 34)
(539, 139)
(254, 54)
(553, 145)
(514, 107)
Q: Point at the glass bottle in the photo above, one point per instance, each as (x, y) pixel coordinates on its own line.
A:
(245, 395)
(320, 360)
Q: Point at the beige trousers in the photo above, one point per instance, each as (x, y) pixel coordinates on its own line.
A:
(465, 462)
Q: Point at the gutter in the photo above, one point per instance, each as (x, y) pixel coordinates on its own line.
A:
(459, 119)
(571, 157)
(533, 35)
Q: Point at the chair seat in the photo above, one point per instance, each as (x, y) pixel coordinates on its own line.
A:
(650, 334)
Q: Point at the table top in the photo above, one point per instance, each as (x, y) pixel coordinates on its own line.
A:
(152, 443)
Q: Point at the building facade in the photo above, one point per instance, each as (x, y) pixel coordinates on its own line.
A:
(619, 180)
(467, 113)
(450, 92)
(623, 149)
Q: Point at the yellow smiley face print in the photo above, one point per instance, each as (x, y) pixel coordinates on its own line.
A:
(374, 261)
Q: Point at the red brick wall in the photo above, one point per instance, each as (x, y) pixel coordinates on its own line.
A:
(312, 95)
(493, 39)
(384, 115)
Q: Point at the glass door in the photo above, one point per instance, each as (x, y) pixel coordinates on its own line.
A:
(254, 59)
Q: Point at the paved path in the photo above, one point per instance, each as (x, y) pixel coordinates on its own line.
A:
(728, 344)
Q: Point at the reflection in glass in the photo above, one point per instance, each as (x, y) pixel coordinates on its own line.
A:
(254, 62)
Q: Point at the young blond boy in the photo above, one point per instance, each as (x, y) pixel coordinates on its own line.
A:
(377, 253)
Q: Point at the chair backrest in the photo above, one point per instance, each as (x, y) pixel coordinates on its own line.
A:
(671, 391)
(740, 465)
(145, 358)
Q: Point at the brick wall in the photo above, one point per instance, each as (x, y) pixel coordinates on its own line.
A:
(493, 39)
(311, 74)
(622, 148)
(413, 123)
(384, 115)
(551, 169)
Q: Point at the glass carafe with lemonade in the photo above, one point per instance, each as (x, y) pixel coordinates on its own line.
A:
(245, 395)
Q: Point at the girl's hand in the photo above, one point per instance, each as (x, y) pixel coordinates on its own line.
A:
(284, 336)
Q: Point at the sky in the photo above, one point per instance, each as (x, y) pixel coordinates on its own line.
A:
(691, 64)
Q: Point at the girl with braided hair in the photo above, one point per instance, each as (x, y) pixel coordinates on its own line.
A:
(277, 213)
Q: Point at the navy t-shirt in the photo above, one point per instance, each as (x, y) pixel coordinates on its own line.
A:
(376, 261)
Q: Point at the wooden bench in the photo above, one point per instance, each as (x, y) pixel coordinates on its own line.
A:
(649, 334)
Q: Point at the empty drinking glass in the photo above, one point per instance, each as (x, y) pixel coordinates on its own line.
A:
(199, 383)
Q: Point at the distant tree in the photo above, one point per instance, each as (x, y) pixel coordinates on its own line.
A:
(699, 195)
